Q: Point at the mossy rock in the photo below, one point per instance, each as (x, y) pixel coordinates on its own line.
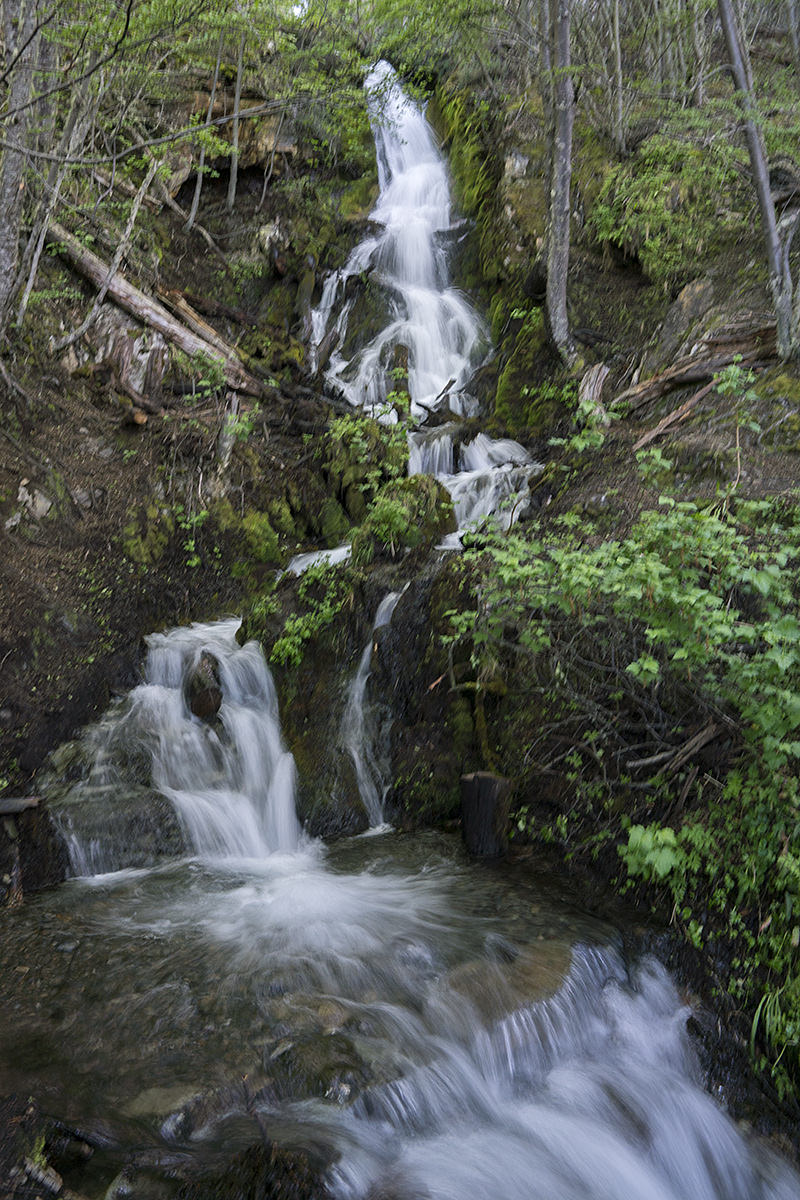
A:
(335, 526)
(252, 538)
(358, 198)
(405, 515)
(369, 316)
(362, 454)
(146, 534)
(261, 538)
(281, 518)
(522, 405)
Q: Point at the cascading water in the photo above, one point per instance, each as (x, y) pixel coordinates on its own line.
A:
(231, 783)
(407, 261)
(427, 320)
(468, 1034)
(358, 732)
(426, 1026)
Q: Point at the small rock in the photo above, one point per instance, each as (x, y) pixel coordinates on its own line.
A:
(203, 691)
(516, 165)
(37, 504)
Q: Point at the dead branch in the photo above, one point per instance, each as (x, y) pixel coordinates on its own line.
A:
(720, 351)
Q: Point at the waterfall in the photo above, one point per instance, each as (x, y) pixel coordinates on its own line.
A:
(426, 318)
(407, 261)
(231, 782)
(358, 733)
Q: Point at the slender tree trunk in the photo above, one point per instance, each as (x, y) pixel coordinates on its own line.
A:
(619, 110)
(198, 187)
(119, 253)
(235, 133)
(545, 60)
(699, 45)
(794, 33)
(777, 256)
(71, 141)
(561, 178)
(15, 134)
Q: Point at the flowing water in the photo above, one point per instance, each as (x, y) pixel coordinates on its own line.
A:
(361, 736)
(428, 322)
(428, 1027)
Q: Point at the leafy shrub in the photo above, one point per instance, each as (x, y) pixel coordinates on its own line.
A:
(688, 627)
(663, 205)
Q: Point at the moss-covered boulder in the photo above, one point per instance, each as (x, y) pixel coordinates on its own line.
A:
(405, 515)
(360, 456)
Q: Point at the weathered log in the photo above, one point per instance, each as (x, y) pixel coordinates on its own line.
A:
(678, 414)
(10, 805)
(215, 308)
(183, 309)
(153, 314)
(746, 348)
(484, 813)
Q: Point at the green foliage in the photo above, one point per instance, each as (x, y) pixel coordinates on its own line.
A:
(323, 591)
(694, 611)
(190, 522)
(662, 205)
(405, 514)
(361, 456)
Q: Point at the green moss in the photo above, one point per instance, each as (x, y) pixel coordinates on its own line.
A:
(146, 533)
(334, 522)
(425, 794)
(521, 405)
(281, 518)
(358, 198)
(593, 164)
(662, 206)
(405, 514)
(461, 728)
(261, 538)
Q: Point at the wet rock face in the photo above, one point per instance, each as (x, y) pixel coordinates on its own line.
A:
(32, 854)
(202, 689)
(264, 1171)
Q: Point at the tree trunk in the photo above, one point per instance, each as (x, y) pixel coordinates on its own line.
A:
(15, 134)
(198, 187)
(794, 33)
(777, 262)
(484, 813)
(237, 99)
(561, 178)
(619, 109)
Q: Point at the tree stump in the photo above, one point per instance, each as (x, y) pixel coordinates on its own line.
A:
(484, 813)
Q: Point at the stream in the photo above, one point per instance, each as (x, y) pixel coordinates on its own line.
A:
(423, 1026)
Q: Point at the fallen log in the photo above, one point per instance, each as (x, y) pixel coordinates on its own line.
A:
(11, 805)
(712, 356)
(216, 308)
(182, 309)
(153, 314)
(678, 414)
